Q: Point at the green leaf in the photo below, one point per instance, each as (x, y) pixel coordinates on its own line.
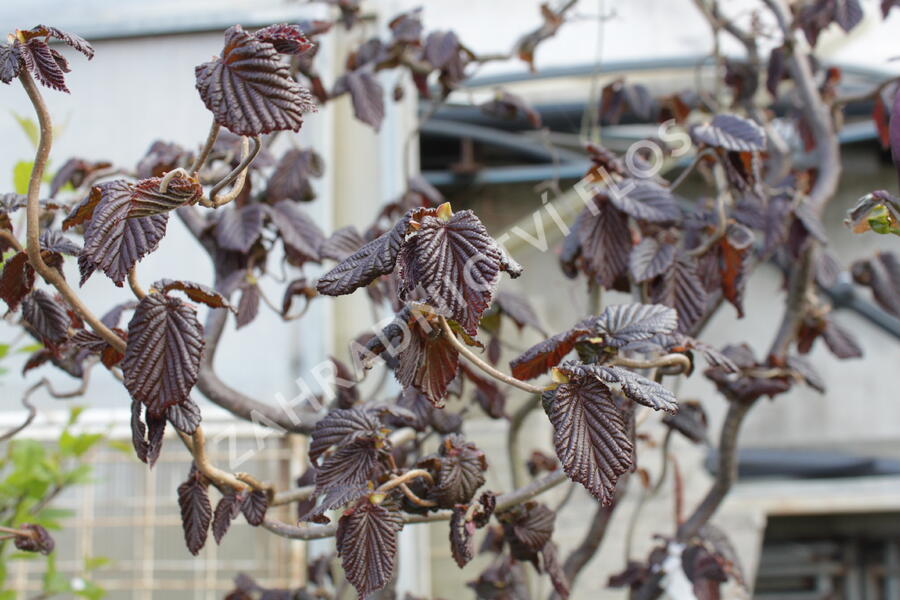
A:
(4, 350)
(880, 221)
(80, 474)
(91, 590)
(21, 175)
(30, 348)
(29, 127)
(119, 445)
(77, 445)
(95, 562)
(74, 413)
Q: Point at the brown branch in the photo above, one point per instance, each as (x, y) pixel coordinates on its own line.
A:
(207, 148)
(33, 214)
(593, 537)
(818, 116)
(726, 473)
(295, 495)
(238, 175)
(135, 285)
(237, 403)
(196, 444)
(873, 93)
(504, 502)
(516, 465)
(478, 362)
(666, 360)
(405, 478)
(411, 496)
(10, 239)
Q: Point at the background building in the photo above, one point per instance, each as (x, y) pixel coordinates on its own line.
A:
(818, 506)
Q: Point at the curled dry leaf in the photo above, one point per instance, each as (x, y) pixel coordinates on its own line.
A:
(37, 540)
(195, 291)
(460, 468)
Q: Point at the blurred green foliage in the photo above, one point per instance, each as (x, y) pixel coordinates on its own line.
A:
(32, 475)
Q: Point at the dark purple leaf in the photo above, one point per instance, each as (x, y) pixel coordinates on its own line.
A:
(10, 61)
(649, 259)
(407, 27)
(113, 241)
(462, 541)
(527, 528)
(161, 158)
(196, 511)
(52, 240)
(590, 434)
(46, 316)
(455, 263)
(554, 569)
(690, 421)
(342, 243)
(255, 506)
(605, 241)
(298, 231)
(881, 273)
(510, 106)
(731, 132)
(185, 417)
(70, 39)
(334, 498)
(249, 89)
(287, 39)
(776, 70)
(428, 363)
(342, 426)
(17, 280)
(441, 48)
(635, 387)
(147, 439)
(366, 94)
(621, 324)
(290, 180)
(367, 544)
(847, 13)
(840, 340)
(736, 250)
(461, 472)
(239, 227)
(162, 357)
(544, 355)
(887, 5)
(147, 200)
(248, 305)
(376, 258)
(39, 59)
(518, 308)
(227, 509)
(682, 289)
(645, 201)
